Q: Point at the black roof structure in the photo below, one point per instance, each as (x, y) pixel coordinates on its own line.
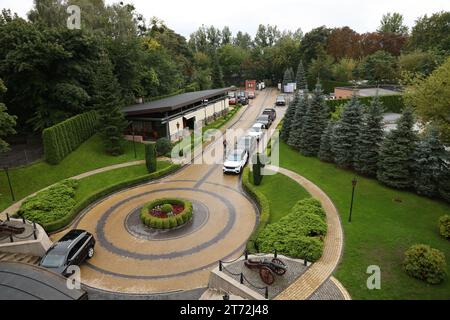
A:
(174, 102)
(20, 281)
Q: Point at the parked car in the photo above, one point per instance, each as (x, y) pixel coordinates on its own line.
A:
(243, 100)
(281, 101)
(265, 120)
(232, 98)
(256, 130)
(72, 249)
(235, 161)
(271, 113)
(251, 94)
(246, 142)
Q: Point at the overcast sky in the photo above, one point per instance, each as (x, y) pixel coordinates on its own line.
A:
(185, 16)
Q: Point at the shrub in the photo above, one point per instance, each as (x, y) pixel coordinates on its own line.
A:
(163, 146)
(171, 221)
(391, 103)
(444, 226)
(425, 263)
(159, 223)
(263, 204)
(180, 220)
(64, 137)
(153, 222)
(166, 208)
(166, 223)
(298, 234)
(150, 157)
(51, 204)
(312, 224)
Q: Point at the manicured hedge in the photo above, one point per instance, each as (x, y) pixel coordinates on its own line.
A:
(71, 214)
(391, 103)
(64, 137)
(299, 234)
(151, 157)
(51, 204)
(263, 204)
(425, 263)
(169, 222)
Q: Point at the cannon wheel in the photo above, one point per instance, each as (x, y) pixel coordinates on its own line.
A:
(266, 275)
(279, 271)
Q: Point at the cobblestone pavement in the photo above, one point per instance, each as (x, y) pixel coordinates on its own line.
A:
(129, 263)
(329, 290)
(322, 269)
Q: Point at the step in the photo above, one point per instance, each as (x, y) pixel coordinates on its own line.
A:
(19, 257)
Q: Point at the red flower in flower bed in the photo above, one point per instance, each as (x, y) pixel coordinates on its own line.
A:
(156, 212)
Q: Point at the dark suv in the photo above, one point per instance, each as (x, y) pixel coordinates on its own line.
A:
(243, 100)
(72, 249)
(271, 113)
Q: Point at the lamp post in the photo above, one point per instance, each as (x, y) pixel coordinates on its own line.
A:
(354, 182)
(9, 182)
(134, 141)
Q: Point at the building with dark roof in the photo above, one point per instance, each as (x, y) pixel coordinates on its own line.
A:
(20, 281)
(168, 117)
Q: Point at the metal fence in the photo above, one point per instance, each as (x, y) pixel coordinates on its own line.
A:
(21, 155)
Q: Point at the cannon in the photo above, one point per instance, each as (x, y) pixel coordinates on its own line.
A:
(267, 268)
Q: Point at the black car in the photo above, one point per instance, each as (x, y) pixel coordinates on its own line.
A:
(243, 100)
(265, 120)
(271, 113)
(72, 249)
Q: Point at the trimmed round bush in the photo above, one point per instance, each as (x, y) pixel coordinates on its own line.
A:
(425, 263)
(166, 224)
(444, 226)
(166, 206)
(163, 146)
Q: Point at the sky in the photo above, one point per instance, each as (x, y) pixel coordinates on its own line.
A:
(185, 16)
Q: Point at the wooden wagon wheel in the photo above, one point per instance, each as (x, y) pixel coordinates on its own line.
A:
(266, 275)
(279, 271)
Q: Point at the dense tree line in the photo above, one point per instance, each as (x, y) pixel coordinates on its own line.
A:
(50, 71)
(355, 139)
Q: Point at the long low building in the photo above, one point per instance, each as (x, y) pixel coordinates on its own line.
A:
(169, 117)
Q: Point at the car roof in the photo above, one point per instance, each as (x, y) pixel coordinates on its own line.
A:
(63, 244)
(257, 124)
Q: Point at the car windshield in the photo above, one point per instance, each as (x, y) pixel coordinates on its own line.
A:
(53, 261)
(234, 156)
(280, 98)
(256, 129)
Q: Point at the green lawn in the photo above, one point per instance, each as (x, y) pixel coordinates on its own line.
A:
(283, 193)
(90, 185)
(87, 157)
(382, 229)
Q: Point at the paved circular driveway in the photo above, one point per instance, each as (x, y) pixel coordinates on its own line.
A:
(131, 261)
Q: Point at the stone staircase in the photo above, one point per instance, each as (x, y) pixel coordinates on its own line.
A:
(19, 257)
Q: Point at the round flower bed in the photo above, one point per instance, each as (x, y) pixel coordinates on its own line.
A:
(166, 213)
